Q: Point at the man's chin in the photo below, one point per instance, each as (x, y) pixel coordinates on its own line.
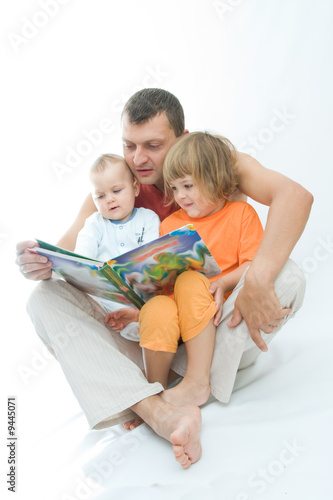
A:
(145, 179)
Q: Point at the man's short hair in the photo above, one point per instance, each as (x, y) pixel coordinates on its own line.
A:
(147, 103)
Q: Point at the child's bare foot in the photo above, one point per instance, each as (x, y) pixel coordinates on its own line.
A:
(180, 425)
(188, 391)
(132, 424)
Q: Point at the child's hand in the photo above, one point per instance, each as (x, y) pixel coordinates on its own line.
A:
(217, 290)
(122, 317)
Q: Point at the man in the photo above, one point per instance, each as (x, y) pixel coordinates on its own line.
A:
(103, 369)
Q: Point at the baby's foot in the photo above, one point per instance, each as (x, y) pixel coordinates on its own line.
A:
(132, 424)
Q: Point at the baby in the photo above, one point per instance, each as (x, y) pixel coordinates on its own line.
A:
(118, 226)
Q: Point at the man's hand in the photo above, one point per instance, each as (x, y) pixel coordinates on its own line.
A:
(260, 308)
(122, 317)
(32, 266)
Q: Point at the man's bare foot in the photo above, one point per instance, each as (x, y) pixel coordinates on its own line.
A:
(180, 425)
(135, 422)
(132, 424)
(188, 391)
(186, 441)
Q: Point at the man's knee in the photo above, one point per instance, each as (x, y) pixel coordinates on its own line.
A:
(290, 286)
(38, 296)
(36, 306)
(290, 290)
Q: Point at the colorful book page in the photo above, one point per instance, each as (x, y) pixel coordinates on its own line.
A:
(153, 268)
(85, 275)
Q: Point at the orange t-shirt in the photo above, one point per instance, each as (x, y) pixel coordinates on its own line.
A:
(232, 235)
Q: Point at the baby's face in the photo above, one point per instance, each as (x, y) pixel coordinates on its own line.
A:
(114, 192)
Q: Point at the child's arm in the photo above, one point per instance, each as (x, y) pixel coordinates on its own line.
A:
(225, 284)
(122, 317)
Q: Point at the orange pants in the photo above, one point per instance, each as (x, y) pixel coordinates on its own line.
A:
(164, 320)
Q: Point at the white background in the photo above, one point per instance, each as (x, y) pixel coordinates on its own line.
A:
(235, 65)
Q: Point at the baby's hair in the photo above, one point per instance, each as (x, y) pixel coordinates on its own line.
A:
(104, 161)
(210, 161)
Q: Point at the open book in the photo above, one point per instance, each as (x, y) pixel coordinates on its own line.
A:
(135, 276)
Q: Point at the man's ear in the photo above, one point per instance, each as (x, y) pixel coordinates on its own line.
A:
(136, 187)
(185, 132)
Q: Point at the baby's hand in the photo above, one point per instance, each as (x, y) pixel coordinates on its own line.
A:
(217, 290)
(122, 317)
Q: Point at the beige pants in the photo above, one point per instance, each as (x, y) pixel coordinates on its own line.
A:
(104, 369)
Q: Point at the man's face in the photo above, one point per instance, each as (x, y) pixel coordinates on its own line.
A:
(145, 147)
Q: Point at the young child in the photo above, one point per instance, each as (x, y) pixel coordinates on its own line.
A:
(118, 226)
(199, 171)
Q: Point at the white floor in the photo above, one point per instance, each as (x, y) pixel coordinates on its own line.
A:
(273, 440)
(260, 73)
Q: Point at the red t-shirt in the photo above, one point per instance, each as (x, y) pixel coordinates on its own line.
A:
(152, 198)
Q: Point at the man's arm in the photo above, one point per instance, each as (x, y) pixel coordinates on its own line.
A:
(289, 208)
(36, 267)
(68, 240)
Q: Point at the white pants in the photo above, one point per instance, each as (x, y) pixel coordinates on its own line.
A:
(104, 369)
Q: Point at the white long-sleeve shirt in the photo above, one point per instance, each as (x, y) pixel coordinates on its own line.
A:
(103, 239)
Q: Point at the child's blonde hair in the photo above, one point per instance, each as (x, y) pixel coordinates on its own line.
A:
(210, 161)
(104, 161)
